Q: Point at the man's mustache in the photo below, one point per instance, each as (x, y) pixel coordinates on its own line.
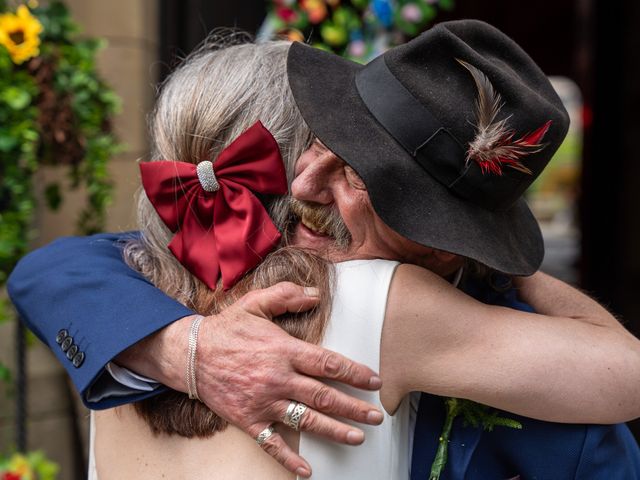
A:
(323, 219)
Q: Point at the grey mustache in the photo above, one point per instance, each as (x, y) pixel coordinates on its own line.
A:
(324, 218)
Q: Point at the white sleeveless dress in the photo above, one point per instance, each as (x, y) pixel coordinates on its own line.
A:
(355, 330)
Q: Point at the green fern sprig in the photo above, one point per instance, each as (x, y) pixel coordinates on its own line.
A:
(473, 414)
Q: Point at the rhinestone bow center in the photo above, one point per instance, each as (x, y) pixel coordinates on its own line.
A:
(207, 176)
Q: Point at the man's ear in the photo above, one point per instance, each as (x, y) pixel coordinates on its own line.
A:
(444, 257)
(447, 263)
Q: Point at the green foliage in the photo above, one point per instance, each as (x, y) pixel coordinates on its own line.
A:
(19, 135)
(473, 414)
(62, 82)
(92, 103)
(33, 465)
(5, 374)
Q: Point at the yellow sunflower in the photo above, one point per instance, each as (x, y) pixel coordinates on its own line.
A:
(19, 33)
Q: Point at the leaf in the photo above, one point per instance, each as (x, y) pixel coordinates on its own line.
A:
(446, 4)
(7, 143)
(17, 98)
(5, 374)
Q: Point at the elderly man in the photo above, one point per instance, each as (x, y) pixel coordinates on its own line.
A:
(444, 177)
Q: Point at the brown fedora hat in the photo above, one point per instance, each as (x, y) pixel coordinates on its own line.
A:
(446, 131)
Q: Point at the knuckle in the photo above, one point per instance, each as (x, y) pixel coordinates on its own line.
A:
(283, 289)
(249, 298)
(331, 364)
(310, 422)
(323, 398)
(273, 448)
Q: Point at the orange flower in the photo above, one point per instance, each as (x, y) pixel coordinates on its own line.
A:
(316, 9)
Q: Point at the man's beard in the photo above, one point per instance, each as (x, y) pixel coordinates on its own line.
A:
(320, 219)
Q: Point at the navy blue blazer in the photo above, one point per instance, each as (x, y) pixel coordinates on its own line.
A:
(79, 298)
(76, 294)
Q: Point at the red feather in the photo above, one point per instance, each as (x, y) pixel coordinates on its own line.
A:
(493, 146)
(530, 143)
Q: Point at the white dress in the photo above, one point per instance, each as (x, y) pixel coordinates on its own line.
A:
(355, 330)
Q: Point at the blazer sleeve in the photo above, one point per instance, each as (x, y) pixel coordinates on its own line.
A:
(80, 298)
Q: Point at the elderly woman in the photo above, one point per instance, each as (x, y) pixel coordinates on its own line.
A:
(420, 331)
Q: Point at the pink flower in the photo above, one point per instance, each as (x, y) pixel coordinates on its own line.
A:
(357, 48)
(411, 13)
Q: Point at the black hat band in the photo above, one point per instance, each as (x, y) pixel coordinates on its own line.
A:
(411, 124)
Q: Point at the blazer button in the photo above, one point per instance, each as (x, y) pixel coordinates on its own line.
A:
(72, 351)
(78, 359)
(67, 342)
(62, 334)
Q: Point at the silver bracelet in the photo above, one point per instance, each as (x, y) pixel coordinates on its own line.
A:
(192, 387)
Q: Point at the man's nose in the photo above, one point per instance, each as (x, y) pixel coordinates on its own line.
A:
(312, 185)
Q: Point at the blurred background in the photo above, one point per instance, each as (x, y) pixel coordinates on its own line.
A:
(88, 89)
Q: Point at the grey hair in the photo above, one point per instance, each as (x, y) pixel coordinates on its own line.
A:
(216, 94)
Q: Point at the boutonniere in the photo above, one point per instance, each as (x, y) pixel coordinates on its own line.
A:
(473, 414)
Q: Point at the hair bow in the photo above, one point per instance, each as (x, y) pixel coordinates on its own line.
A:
(221, 228)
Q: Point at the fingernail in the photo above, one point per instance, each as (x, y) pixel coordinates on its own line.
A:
(303, 472)
(374, 416)
(311, 292)
(375, 382)
(355, 437)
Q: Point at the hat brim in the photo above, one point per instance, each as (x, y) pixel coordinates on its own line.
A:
(403, 194)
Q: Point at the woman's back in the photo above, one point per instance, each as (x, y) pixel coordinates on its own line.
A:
(126, 448)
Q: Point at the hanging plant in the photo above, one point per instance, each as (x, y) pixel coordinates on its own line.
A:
(357, 29)
(54, 110)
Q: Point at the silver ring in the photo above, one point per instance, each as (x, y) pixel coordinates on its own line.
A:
(294, 414)
(289, 412)
(265, 434)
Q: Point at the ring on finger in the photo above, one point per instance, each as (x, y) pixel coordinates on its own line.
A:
(264, 435)
(289, 412)
(294, 415)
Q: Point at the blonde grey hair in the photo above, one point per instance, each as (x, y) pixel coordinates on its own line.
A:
(216, 94)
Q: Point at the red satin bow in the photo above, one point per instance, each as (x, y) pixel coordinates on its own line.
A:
(228, 231)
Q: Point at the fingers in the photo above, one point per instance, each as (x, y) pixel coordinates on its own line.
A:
(326, 399)
(278, 299)
(319, 424)
(327, 427)
(280, 451)
(318, 362)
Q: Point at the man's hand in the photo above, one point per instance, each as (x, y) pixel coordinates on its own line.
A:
(249, 370)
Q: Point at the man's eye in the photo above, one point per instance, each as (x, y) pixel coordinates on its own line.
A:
(353, 178)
